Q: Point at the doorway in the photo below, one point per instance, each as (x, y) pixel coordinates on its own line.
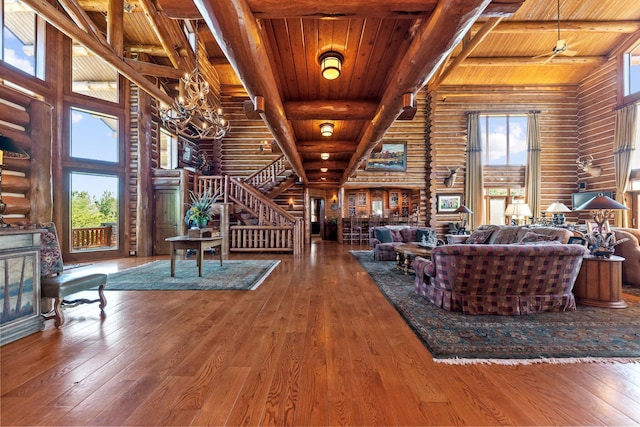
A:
(317, 217)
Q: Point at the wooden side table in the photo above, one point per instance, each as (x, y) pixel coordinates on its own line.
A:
(200, 244)
(599, 282)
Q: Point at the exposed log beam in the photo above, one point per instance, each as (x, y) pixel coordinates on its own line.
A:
(432, 43)
(115, 32)
(240, 38)
(508, 27)
(277, 9)
(82, 20)
(57, 19)
(330, 110)
(153, 50)
(334, 147)
(527, 60)
(467, 49)
(330, 164)
(155, 70)
(161, 26)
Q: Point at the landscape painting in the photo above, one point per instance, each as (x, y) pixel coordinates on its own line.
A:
(392, 157)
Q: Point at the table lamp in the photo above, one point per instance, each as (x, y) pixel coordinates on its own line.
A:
(601, 208)
(7, 144)
(463, 211)
(558, 209)
(518, 211)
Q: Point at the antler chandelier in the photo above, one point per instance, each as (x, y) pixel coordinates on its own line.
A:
(191, 112)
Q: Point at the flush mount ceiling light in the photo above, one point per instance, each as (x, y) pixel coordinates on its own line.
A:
(331, 64)
(326, 129)
(324, 156)
(324, 169)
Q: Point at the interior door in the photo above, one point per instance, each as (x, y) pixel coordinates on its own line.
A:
(167, 220)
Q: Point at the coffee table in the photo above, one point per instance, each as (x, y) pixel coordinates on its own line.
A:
(199, 244)
(406, 251)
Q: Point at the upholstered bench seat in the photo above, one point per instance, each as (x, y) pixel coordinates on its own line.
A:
(69, 284)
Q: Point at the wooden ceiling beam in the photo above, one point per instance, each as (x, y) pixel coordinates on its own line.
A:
(508, 27)
(330, 110)
(332, 147)
(277, 9)
(528, 60)
(115, 32)
(236, 30)
(154, 50)
(330, 164)
(431, 45)
(149, 69)
(163, 28)
(81, 19)
(57, 19)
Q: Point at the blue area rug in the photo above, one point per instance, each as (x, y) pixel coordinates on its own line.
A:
(154, 276)
(587, 334)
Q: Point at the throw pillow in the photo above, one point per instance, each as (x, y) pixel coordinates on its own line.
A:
(384, 235)
(531, 237)
(397, 235)
(478, 237)
(409, 234)
(429, 237)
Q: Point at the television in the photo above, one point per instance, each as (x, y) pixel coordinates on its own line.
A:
(579, 199)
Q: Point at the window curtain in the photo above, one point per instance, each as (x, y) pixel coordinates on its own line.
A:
(473, 184)
(532, 171)
(624, 143)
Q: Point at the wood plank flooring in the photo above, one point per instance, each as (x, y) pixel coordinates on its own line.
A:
(316, 344)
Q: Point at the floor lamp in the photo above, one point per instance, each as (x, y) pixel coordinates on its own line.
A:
(9, 145)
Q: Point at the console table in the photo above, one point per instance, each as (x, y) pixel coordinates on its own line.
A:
(19, 284)
(599, 282)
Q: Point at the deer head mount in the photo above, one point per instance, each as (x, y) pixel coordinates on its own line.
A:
(587, 166)
(450, 180)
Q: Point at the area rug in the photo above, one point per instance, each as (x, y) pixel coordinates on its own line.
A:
(232, 275)
(587, 334)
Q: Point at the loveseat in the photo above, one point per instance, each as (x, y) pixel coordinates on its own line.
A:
(500, 279)
(384, 239)
(630, 251)
(509, 234)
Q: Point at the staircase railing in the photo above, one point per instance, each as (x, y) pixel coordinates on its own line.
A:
(276, 229)
(268, 174)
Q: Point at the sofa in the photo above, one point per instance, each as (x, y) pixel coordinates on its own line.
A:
(630, 251)
(509, 234)
(384, 239)
(511, 279)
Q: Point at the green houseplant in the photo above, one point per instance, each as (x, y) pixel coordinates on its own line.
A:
(200, 209)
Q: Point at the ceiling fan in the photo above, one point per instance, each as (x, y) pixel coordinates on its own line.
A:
(561, 47)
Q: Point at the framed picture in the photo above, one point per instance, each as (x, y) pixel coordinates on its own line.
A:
(574, 240)
(391, 157)
(352, 199)
(186, 153)
(362, 199)
(448, 202)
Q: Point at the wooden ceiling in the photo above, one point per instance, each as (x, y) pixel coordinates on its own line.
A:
(390, 49)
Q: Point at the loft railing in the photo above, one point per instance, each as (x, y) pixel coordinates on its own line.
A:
(91, 237)
(277, 230)
(269, 174)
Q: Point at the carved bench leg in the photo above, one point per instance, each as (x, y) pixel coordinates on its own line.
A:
(57, 308)
(103, 299)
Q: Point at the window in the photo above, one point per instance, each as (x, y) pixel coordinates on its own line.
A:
(94, 136)
(504, 139)
(632, 71)
(168, 150)
(93, 76)
(19, 38)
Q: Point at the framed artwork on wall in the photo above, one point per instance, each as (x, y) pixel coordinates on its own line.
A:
(393, 199)
(362, 199)
(391, 157)
(186, 153)
(448, 202)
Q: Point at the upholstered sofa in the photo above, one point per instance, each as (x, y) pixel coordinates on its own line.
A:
(384, 239)
(500, 279)
(630, 251)
(509, 234)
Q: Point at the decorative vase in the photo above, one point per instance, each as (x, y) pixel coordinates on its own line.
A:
(202, 222)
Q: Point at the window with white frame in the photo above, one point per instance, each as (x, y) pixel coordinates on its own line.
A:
(635, 162)
(19, 36)
(504, 139)
(94, 136)
(168, 150)
(632, 71)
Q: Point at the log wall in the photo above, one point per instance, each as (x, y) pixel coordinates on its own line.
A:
(558, 133)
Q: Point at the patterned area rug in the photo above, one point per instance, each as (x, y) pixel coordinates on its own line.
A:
(232, 275)
(587, 334)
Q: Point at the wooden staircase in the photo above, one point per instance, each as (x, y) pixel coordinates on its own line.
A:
(277, 229)
(273, 179)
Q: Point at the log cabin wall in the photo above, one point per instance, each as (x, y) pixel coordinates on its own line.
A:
(558, 106)
(598, 96)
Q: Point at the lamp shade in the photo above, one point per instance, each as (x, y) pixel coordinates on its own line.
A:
(463, 210)
(518, 210)
(601, 202)
(557, 207)
(8, 144)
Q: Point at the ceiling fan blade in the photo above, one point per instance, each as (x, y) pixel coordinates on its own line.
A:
(570, 52)
(553, 55)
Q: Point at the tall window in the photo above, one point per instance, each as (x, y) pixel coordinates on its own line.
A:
(168, 150)
(632, 71)
(19, 38)
(94, 136)
(92, 75)
(504, 138)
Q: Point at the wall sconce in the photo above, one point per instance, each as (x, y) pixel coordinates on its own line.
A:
(331, 64)
(326, 129)
(324, 156)
(291, 205)
(323, 170)
(265, 146)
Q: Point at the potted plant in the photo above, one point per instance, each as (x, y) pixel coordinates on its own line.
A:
(200, 209)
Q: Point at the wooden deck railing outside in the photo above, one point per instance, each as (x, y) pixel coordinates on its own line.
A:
(91, 237)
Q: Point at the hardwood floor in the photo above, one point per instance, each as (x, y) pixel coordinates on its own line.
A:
(315, 344)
